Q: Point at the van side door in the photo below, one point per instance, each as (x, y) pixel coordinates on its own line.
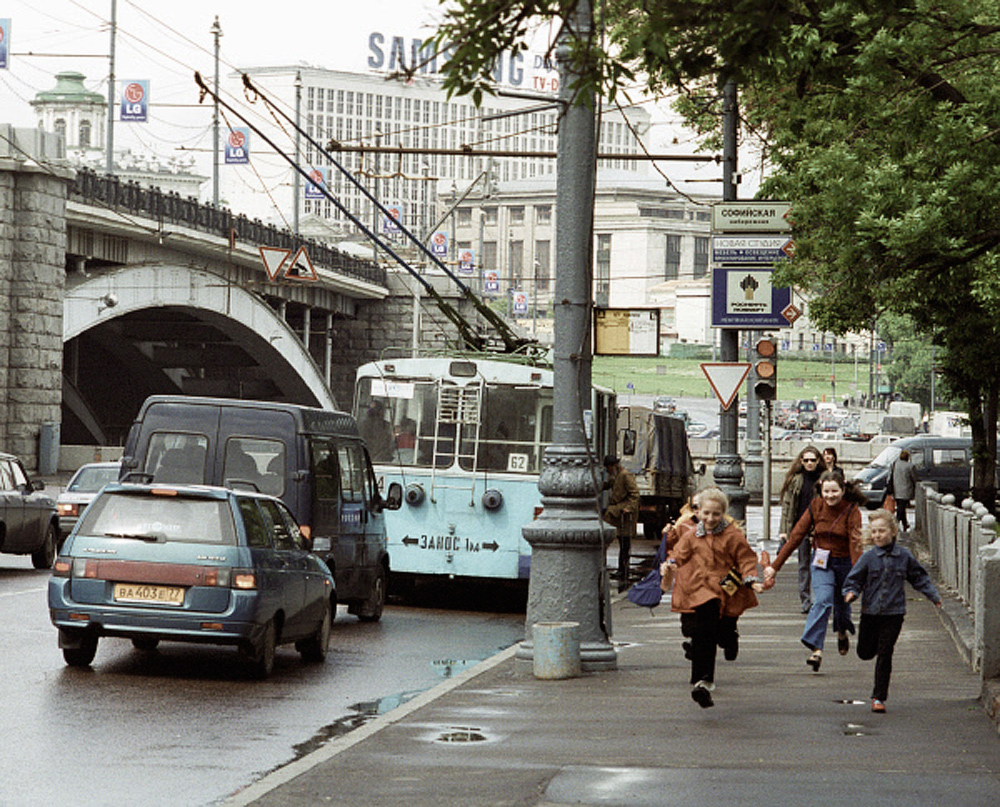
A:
(353, 509)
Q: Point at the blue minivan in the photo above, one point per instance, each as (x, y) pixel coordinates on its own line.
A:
(313, 459)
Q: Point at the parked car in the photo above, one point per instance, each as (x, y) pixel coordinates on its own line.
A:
(664, 403)
(28, 521)
(80, 491)
(944, 460)
(193, 564)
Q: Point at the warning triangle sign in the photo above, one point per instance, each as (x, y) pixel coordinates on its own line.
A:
(301, 267)
(726, 379)
(274, 258)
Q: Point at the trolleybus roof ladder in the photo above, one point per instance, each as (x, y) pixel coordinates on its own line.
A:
(457, 406)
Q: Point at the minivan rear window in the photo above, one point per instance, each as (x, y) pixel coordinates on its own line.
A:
(159, 518)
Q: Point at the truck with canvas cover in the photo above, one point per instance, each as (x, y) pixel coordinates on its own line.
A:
(653, 446)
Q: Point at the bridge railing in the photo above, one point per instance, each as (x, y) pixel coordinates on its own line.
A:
(171, 208)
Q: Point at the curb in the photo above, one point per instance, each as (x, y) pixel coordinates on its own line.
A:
(286, 773)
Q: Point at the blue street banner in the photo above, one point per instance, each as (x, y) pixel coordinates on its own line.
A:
(4, 43)
(390, 223)
(135, 101)
(466, 262)
(519, 301)
(744, 297)
(491, 281)
(319, 179)
(439, 245)
(238, 146)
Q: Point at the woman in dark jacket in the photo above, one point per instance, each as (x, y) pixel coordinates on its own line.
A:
(796, 493)
(904, 486)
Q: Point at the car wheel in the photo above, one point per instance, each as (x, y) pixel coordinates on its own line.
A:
(83, 655)
(145, 645)
(371, 608)
(262, 660)
(315, 647)
(45, 556)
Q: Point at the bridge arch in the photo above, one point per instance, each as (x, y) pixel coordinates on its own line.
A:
(164, 317)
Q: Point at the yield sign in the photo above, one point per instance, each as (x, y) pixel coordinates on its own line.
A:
(725, 378)
(274, 258)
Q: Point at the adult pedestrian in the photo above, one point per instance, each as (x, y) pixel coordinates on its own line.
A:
(796, 493)
(834, 518)
(716, 582)
(879, 576)
(830, 458)
(904, 486)
(622, 512)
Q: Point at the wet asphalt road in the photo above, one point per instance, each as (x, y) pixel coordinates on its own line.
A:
(186, 725)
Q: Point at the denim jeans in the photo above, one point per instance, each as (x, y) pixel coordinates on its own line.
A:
(828, 595)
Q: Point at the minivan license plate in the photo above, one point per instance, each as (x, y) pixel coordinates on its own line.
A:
(161, 595)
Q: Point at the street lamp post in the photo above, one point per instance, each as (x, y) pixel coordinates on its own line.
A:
(568, 539)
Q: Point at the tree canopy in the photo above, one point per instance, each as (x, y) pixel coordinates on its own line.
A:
(880, 121)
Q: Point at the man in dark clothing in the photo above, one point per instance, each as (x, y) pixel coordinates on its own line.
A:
(622, 511)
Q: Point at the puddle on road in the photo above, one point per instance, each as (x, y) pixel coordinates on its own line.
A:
(851, 702)
(448, 667)
(461, 734)
(364, 712)
(857, 730)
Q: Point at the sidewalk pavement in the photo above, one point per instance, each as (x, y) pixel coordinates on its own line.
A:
(779, 734)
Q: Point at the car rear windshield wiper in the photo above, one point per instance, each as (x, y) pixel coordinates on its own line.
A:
(136, 536)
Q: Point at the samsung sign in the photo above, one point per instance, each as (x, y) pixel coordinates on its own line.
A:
(397, 53)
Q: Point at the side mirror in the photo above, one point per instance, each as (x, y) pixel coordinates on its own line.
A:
(36, 484)
(628, 442)
(394, 497)
(701, 469)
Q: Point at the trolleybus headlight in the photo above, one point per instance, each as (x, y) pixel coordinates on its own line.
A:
(414, 494)
(492, 499)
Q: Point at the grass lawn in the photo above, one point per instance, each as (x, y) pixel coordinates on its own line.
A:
(797, 378)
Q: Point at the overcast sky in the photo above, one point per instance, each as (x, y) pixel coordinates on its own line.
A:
(165, 41)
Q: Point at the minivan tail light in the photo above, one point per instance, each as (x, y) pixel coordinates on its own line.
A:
(244, 579)
(67, 509)
(306, 531)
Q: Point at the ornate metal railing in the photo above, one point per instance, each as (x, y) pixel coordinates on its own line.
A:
(171, 208)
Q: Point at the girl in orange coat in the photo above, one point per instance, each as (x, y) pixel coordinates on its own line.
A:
(706, 555)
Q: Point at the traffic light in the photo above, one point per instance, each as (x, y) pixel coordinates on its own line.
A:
(765, 369)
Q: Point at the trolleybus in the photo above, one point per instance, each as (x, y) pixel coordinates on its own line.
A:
(465, 437)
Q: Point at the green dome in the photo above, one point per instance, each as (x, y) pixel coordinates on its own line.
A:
(69, 89)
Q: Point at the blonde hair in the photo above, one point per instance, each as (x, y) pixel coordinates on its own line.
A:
(716, 495)
(888, 518)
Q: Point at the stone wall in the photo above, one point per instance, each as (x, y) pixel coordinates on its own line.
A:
(33, 191)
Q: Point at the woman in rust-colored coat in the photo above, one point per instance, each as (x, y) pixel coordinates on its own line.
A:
(705, 556)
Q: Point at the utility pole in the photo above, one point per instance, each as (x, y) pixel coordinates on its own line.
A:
(728, 473)
(568, 539)
(296, 187)
(216, 31)
(109, 158)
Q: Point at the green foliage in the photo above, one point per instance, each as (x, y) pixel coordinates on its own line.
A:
(881, 122)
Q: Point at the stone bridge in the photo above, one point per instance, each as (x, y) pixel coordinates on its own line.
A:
(110, 292)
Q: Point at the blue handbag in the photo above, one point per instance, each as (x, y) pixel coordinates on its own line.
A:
(647, 592)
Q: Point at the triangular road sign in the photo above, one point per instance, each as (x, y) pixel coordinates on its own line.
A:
(301, 267)
(274, 258)
(726, 379)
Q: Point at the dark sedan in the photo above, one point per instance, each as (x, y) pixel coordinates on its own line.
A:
(191, 564)
(28, 522)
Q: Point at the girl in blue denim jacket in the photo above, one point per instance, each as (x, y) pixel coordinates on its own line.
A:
(880, 575)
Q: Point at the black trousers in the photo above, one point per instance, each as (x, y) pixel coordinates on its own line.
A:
(901, 505)
(707, 629)
(876, 640)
